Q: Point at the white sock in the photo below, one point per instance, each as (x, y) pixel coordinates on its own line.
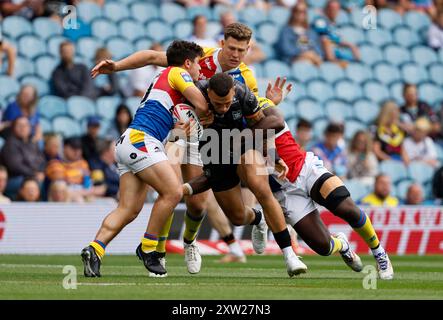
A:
(288, 252)
(235, 249)
(377, 251)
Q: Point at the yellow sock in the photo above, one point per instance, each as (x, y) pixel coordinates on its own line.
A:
(149, 243)
(192, 226)
(365, 229)
(336, 245)
(164, 233)
(99, 248)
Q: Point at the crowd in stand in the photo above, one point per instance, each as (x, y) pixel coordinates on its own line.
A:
(38, 167)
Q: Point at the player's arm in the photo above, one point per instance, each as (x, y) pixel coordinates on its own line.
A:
(196, 98)
(196, 185)
(271, 119)
(11, 55)
(136, 60)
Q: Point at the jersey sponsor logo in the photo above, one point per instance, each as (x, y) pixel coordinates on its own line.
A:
(133, 155)
(137, 161)
(186, 77)
(237, 114)
(208, 63)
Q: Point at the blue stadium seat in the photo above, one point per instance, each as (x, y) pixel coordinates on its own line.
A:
(371, 54)
(420, 172)
(304, 71)
(213, 29)
(23, 67)
(268, 50)
(106, 107)
(331, 72)
(103, 29)
(53, 45)
(143, 12)
(352, 126)
(31, 46)
(276, 68)
(143, 43)
(379, 37)
(183, 29)
(130, 29)
(40, 84)
(87, 46)
(46, 28)
(268, 32)
(413, 73)
(347, 90)
(375, 91)
(159, 30)
(194, 11)
(46, 125)
(396, 91)
(219, 9)
(80, 107)
(366, 111)
(439, 149)
(52, 106)
(171, 12)
(430, 93)
(129, 2)
(386, 73)
(358, 72)
(436, 73)
(395, 169)
(440, 55)
(279, 15)
(396, 55)
(14, 26)
(405, 37)
(133, 103)
(351, 34)
(45, 64)
(87, 11)
(252, 16)
(298, 91)
(357, 18)
(357, 189)
(288, 109)
(8, 86)
(115, 11)
(343, 18)
(66, 126)
(416, 20)
(320, 90)
(338, 110)
(309, 109)
(316, 3)
(319, 126)
(119, 47)
(423, 55)
(389, 19)
(402, 188)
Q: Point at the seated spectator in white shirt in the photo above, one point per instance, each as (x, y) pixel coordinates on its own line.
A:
(420, 147)
(435, 33)
(199, 33)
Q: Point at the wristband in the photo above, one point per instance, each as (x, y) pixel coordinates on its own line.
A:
(189, 188)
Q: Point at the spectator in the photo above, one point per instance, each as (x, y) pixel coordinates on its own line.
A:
(20, 155)
(414, 109)
(426, 6)
(25, 105)
(69, 78)
(59, 192)
(362, 162)
(419, 147)
(388, 144)
(241, 4)
(122, 119)
(401, 6)
(192, 3)
(414, 196)
(107, 85)
(435, 33)
(104, 169)
(29, 191)
(52, 147)
(26, 8)
(10, 53)
(335, 49)
(3, 183)
(303, 134)
(140, 78)
(73, 169)
(297, 41)
(199, 32)
(382, 193)
(333, 156)
(90, 139)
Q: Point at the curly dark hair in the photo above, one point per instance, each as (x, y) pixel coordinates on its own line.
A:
(179, 51)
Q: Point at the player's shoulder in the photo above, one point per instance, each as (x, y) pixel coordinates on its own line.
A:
(178, 73)
(208, 51)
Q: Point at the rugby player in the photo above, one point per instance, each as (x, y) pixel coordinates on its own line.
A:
(142, 160)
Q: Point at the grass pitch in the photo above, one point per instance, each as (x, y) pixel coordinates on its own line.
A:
(262, 277)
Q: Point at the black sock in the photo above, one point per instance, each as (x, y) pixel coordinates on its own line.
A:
(283, 239)
(258, 217)
(229, 238)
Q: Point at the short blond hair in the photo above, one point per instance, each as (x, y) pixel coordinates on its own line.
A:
(238, 31)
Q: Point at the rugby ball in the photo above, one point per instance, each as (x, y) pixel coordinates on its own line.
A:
(185, 113)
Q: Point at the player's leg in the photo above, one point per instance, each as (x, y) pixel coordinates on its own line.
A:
(132, 195)
(252, 172)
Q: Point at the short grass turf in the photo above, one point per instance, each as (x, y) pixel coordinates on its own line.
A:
(262, 277)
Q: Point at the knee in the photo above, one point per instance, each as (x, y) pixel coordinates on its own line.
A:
(262, 192)
(347, 206)
(237, 220)
(174, 195)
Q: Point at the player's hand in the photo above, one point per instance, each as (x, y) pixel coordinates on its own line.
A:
(183, 129)
(103, 67)
(207, 119)
(282, 169)
(277, 92)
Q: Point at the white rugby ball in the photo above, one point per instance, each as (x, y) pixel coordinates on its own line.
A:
(185, 113)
